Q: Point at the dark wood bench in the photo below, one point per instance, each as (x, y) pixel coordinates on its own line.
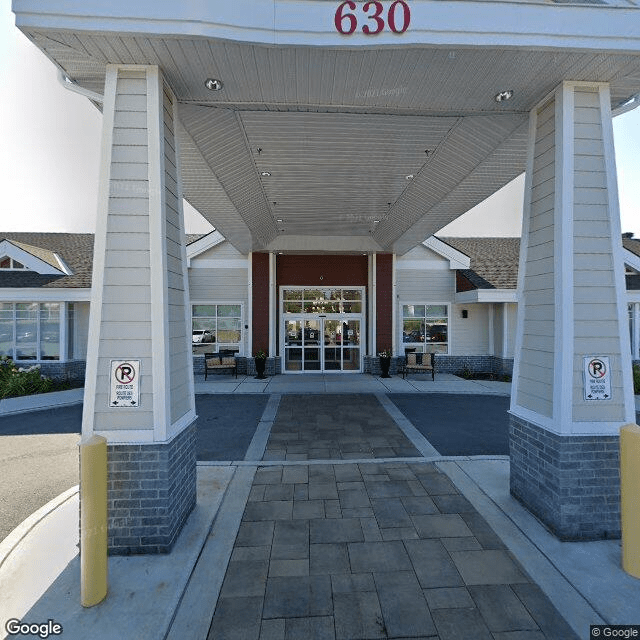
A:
(221, 360)
(419, 363)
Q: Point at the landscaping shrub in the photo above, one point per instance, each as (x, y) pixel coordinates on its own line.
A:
(16, 380)
(636, 379)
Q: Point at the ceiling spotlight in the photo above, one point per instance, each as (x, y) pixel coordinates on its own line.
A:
(265, 174)
(279, 220)
(409, 177)
(503, 95)
(213, 84)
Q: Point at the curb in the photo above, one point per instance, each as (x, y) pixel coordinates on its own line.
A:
(8, 545)
(41, 401)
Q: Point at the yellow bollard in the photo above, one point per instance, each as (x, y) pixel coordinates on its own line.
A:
(93, 520)
(630, 498)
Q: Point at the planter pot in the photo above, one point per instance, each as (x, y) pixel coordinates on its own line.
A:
(385, 363)
(260, 366)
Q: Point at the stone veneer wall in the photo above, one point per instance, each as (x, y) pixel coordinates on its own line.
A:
(246, 366)
(73, 370)
(448, 364)
(372, 365)
(151, 491)
(571, 483)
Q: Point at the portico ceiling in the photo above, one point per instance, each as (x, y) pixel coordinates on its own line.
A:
(381, 147)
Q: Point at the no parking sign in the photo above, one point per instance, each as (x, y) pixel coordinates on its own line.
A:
(597, 378)
(125, 383)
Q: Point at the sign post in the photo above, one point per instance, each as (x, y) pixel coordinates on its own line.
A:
(597, 378)
(125, 383)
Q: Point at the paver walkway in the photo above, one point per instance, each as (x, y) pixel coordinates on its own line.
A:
(335, 427)
(368, 549)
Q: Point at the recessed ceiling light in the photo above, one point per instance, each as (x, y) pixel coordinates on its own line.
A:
(503, 95)
(409, 177)
(265, 174)
(279, 220)
(213, 84)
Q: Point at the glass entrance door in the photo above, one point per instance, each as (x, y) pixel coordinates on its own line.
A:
(341, 345)
(320, 343)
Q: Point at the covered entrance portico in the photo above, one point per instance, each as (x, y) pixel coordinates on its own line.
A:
(294, 134)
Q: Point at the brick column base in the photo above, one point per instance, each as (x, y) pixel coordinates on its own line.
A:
(571, 483)
(151, 492)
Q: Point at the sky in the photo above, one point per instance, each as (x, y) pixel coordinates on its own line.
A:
(51, 144)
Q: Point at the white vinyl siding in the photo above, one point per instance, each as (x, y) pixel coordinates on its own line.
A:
(179, 358)
(220, 275)
(594, 293)
(470, 335)
(535, 392)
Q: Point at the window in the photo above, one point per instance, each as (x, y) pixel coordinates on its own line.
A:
(216, 326)
(9, 263)
(30, 330)
(425, 325)
(322, 301)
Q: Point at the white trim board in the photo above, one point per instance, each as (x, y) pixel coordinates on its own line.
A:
(31, 262)
(457, 259)
(486, 295)
(42, 294)
(203, 244)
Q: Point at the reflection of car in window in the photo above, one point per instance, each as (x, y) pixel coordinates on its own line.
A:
(438, 333)
(413, 336)
(200, 335)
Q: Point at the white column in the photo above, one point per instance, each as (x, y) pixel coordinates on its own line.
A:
(248, 319)
(140, 307)
(492, 338)
(505, 329)
(273, 303)
(572, 306)
(138, 293)
(636, 330)
(373, 306)
(572, 273)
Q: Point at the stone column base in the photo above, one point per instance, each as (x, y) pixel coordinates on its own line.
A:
(151, 492)
(571, 483)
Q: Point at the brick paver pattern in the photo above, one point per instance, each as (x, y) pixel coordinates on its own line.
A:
(369, 549)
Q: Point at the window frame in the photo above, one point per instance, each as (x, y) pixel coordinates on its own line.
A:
(215, 346)
(409, 345)
(62, 330)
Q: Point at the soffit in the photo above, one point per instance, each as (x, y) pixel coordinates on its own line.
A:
(340, 129)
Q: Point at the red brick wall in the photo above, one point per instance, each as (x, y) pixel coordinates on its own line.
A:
(260, 312)
(384, 300)
(320, 270)
(462, 283)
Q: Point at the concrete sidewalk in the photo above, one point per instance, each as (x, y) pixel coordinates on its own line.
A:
(177, 596)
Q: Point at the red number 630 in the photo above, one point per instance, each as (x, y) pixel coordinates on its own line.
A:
(347, 22)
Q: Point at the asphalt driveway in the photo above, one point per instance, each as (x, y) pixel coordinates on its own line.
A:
(459, 425)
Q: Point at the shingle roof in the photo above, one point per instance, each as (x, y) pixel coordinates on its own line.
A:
(494, 261)
(76, 249)
(632, 244)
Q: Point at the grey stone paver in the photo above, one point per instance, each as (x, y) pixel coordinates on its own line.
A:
(460, 624)
(448, 598)
(298, 597)
(368, 549)
(403, 605)
(358, 615)
(488, 566)
(378, 556)
(501, 608)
